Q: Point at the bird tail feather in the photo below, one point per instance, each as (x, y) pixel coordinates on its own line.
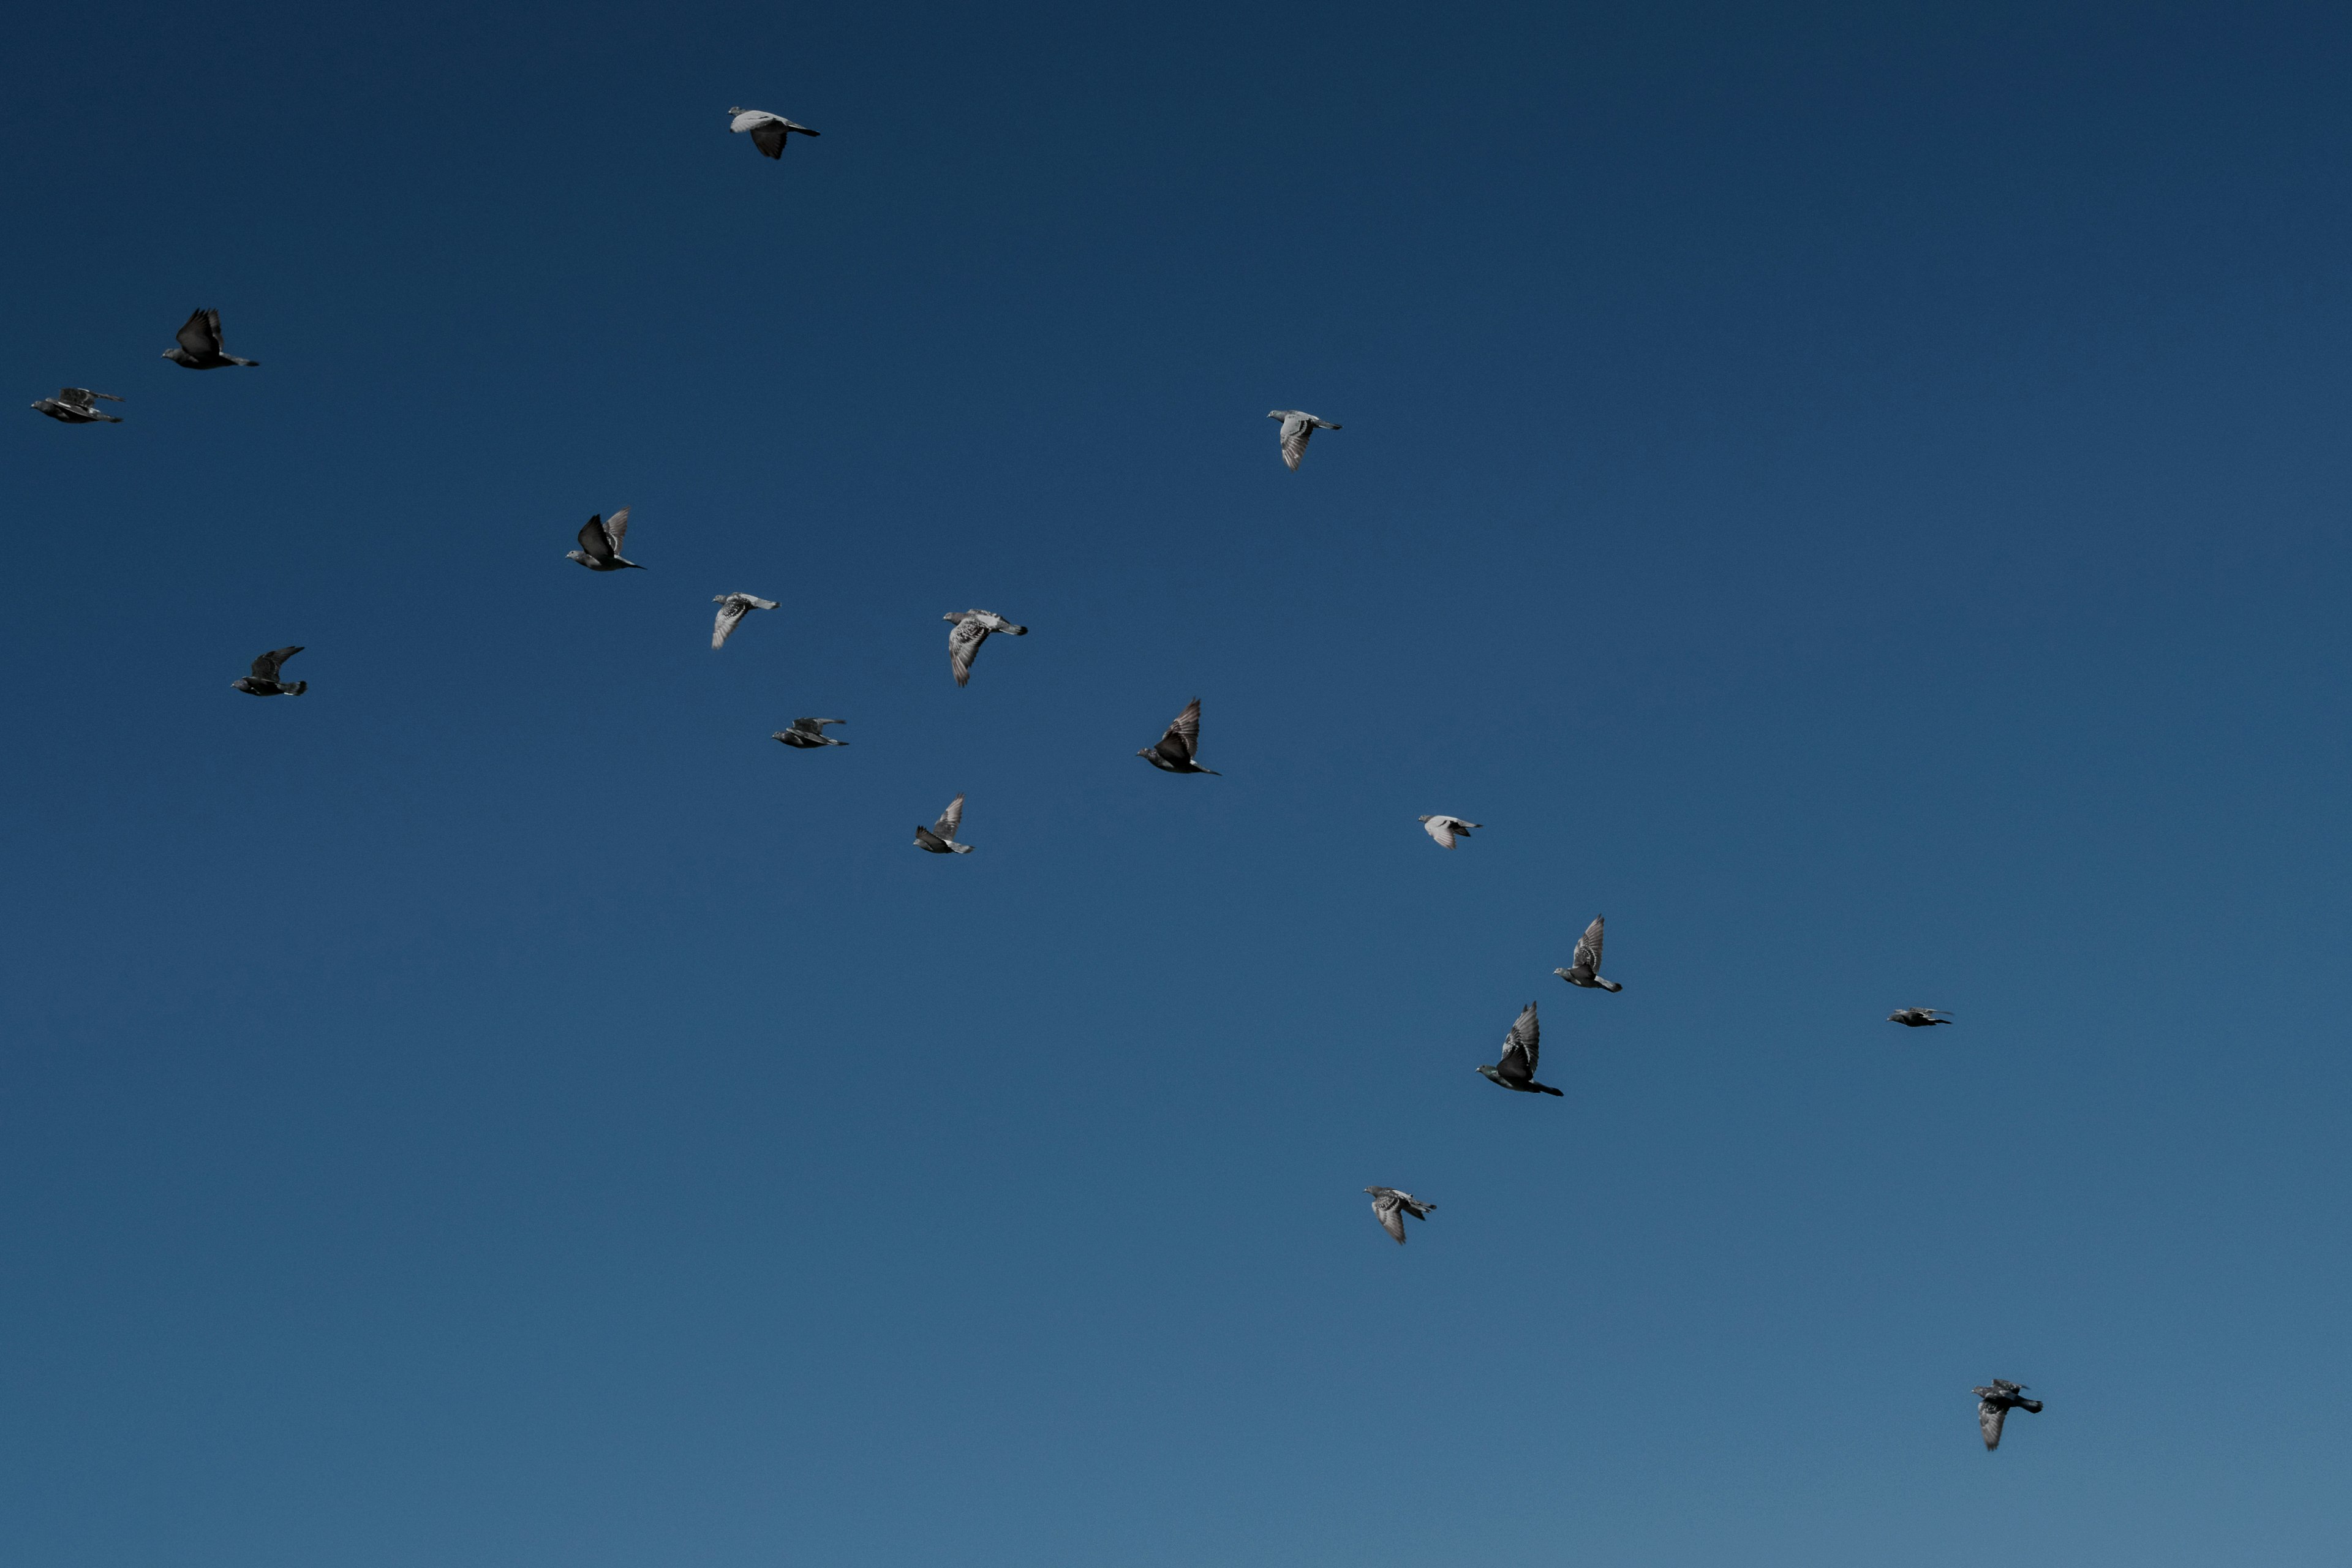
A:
(1607, 984)
(301, 687)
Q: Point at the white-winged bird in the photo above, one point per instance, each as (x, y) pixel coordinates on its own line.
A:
(767, 130)
(1517, 1070)
(1584, 968)
(1993, 1405)
(1446, 829)
(1173, 753)
(200, 345)
(600, 543)
(1390, 1206)
(972, 629)
(939, 837)
(263, 681)
(1297, 425)
(734, 607)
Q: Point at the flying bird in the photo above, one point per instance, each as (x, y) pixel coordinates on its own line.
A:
(1297, 426)
(808, 735)
(75, 405)
(1584, 968)
(263, 681)
(1517, 1070)
(600, 543)
(1173, 754)
(732, 607)
(1917, 1018)
(200, 345)
(768, 131)
(1390, 1206)
(1446, 829)
(1993, 1405)
(972, 629)
(939, 837)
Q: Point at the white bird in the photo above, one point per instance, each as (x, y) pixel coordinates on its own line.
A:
(972, 629)
(939, 837)
(73, 405)
(1446, 829)
(767, 130)
(1390, 1206)
(1297, 425)
(731, 609)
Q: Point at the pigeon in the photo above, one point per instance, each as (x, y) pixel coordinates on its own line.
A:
(74, 405)
(1173, 754)
(972, 629)
(1390, 1206)
(808, 735)
(939, 837)
(200, 345)
(1584, 968)
(1297, 426)
(1993, 1405)
(731, 609)
(1917, 1018)
(1446, 829)
(1517, 1070)
(600, 543)
(768, 131)
(263, 681)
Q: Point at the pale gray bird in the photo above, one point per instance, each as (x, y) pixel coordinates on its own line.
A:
(75, 405)
(600, 543)
(972, 629)
(768, 131)
(939, 837)
(1390, 1206)
(1517, 1070)
(808, 735)
(1584, 966)
(732, 607)
(1297, 426)
(263, 681)
(1993, 1405)
(200, 345)
(1446, 829)
(1917, 1018)
(1173, 753)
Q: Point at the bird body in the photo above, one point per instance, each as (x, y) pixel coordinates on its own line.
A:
(1297, 425)
(1173, 753)
(1390, 1206)
(808, 735)
(1917, 1018)
(971, 628)
(767, 130)
(200, 345)
(1584, 968)
(1446, 829)
(1993, 1405)
(939, 837)
(76, 406)
(1517, 1070)
(263, 681)
(734, 607)
(600, 543)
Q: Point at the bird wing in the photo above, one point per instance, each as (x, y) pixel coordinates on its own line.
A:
(1183, 737)
(1390, 1211)
(963, 646)
(1588, 948)
(1442, 829)
(1296, 429)
(264, 666)
(949, 820)
(594, 543)
(1989, 1417)
(1523, 1041)
(730, 610)
(76, 397)
(768, 136)
(617, 528)
(201, 335)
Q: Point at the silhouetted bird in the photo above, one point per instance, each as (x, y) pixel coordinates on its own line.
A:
(263, 681)
(1993, 1405)
(74, 405)
(768, 131)
(1517, 1069)
(1446, 829)
(1173, 754)
(1584, 967)
(939, 837)
(1917, 1018)
(732, 607)
(200, 345)
(972, 629)
(1298, 426)
(600, 543)
(1390, 1206)
(809, 733)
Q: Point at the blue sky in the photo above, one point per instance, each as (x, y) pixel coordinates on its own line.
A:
(1857, 495)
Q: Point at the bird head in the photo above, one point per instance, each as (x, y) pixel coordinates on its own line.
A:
(1274, 413)
(1143, 750)
(1561, 973)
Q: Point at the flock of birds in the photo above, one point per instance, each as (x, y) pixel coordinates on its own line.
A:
(200, 346)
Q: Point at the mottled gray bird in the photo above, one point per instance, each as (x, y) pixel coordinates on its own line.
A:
(1446, 829)
(1173, 754)
(1584, 966)
(1993, 1405)
(767, 130)
(263, 681)
(808, 735)
(76, 406)
(1517, 1070)
(1390, 1206)
(1297, 426)
(600, 543)
(939, 837)
(732, 607)
(200, 345)
(972, 629)
(1917, 1018)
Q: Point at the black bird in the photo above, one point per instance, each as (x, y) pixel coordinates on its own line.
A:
(1517, 1070)
(1917, 1018)
(601, 539)
(1173, 754)
(1993, 1405)
(1390, 1206)
(200, 345)
(1584, 968)
(263, 681)
(808, 735)
(74, 405)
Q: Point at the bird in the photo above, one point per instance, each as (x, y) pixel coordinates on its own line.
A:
(1584, 968)
(939, 837)
(808, 735)
(1517, 1070)
(972, 629)
(1297, 425)
(1390, 1206)
(263, 681)
(1917, 1018)
(768, 131)
(600, 543)
(1993, 1405)
(200, 345)
(731, 609)
(1446, 829)
(74, 405)
(1173, 754)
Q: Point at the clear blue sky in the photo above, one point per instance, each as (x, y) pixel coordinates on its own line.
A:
(1858, 494)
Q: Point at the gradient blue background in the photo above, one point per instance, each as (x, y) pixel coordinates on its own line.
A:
(1857, 493)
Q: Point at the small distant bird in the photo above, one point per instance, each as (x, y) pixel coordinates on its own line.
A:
(1584, 967)
(972, 629)
(263, 681)
(732, 607)
(1917, 1018)
(200, 345)
(600, 543)
(1446, 829)
(74, 405)
(1993, 1405)
(768, 131)
(1390, 1206)
(1297, 428)
(1517, 1069)
(808, 735)
(939, 837)
(1173, 754)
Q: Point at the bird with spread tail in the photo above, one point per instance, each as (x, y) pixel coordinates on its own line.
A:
(1584, 967)
(972, 629)
(1517, 1070)
(767, 130)
(1446, 829)
(734, 607)
(1298, 426)
(263, 681)
(1174, 751)
(808, 735)
(601, 539)
(1993, 1405)
(76, 406)
(1390, 1206)
(1917, 1018)
(939, 837)
(200, 345)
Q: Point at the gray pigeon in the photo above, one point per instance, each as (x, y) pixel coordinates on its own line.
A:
(75, 405)
(263, 681)
(972, 629)
(600, 543)
(1297, 428)
(200, 345)
(1917, 1018)
(1993, 1405)
(808, 735)
(1517, 1070)
(1173, 754)
(1446, 829)
(732, 607)
(939, 837)
(1584, 968)
(1390, 1206)
(768, 131)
